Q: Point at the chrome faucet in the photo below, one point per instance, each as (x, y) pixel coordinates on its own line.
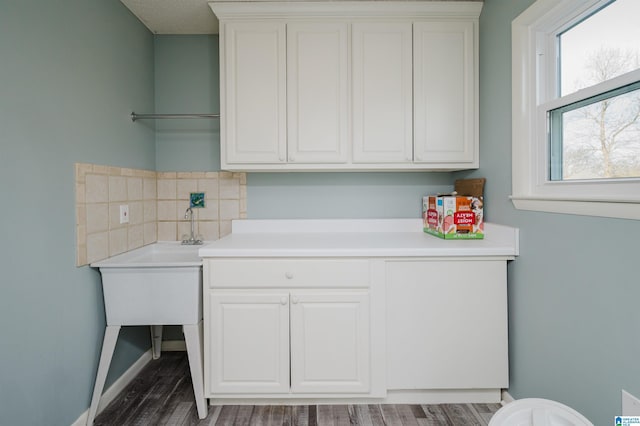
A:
(192, 240)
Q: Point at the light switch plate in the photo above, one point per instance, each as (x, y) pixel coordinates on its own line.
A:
(124, 213)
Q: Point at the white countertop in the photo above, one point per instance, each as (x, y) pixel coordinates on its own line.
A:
(354, 238)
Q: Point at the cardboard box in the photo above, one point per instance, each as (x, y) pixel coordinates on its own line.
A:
(453, 216)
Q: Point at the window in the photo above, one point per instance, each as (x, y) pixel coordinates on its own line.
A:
(576, 108)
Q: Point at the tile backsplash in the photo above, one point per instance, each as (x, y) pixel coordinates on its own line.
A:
(157, 204)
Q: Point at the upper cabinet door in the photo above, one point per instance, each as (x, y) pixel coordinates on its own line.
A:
(445, 93)
(382, 93)
(317, 92)
(253, 86)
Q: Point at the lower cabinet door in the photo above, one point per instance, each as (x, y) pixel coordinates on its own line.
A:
(249, 343)
(447, 324)
(330, 351)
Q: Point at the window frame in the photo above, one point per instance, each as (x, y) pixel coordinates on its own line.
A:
(534, 73)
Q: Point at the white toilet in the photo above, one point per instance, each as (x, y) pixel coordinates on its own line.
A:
(537, 412)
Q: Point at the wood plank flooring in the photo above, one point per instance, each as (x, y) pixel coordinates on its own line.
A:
(162, 395)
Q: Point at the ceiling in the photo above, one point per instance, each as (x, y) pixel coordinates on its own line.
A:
(180, 16)
(174, 16)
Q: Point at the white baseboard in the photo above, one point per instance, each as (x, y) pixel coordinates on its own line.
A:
(117, 386)
(506, 397)
(439, 396)
(174, 346)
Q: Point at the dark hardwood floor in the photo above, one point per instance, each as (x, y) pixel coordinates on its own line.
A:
(162, 395)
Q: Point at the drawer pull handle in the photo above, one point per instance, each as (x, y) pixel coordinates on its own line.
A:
(289, 275)
(294, 300)
(283, 301)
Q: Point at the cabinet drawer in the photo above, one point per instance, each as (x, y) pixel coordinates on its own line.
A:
(280, 273)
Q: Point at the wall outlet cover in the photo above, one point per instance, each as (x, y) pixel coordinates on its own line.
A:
(196, 200)
(124, 213)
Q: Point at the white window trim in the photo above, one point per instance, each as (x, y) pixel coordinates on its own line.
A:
(530, 186)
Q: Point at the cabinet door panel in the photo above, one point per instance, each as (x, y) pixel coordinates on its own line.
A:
(447, 325)
(249, 343)
(254, 118)
(444, 92)
(330, 342)
(382, 93)
(317, 97)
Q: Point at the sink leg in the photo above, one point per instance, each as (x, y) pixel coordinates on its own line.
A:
(156, 340)
(193, 340)
(108, 345)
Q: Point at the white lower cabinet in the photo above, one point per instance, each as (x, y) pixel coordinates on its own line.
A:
(249, 346)
(447, 324)
(417, 330)
(282, 337)
(330, 342)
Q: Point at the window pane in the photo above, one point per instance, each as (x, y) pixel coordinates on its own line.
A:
(598, 138)
(603, 46)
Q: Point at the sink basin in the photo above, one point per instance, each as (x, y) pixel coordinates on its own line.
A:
(159, 284)
(160, 254)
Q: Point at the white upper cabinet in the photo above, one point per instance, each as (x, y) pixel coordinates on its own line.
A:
(382, 92)
(445, 93)
(254, 94)
(367, 85)
(317, 96)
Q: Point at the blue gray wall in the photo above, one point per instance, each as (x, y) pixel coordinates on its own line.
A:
(71, 71)
(574, 290)
(187, 81)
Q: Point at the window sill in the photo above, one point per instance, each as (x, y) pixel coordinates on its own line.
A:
(601, 208)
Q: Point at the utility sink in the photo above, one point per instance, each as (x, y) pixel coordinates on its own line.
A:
(159, 284)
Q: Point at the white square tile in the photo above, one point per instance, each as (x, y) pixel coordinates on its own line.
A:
(135, 237)
(117, 188)
(149, 189)
(185, 187)
(225, 228)
(229, 189)
(209, 212)
(97, 246)
(167, 189)
(136, 213)
(167, 231)
(150, 233)
(97, 217)
(184, 230)
(134, 189)
(210, 188)
(229, 209)
(96, 188)
(150, 208)
(117, 241)
(114, 215)
(209, 230)
(181, 210)
(166, 210)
